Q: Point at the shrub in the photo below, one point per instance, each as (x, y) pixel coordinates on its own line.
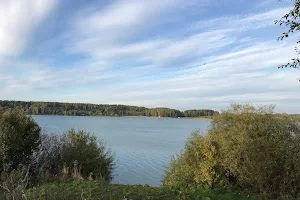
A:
(262, 151)
(1, 112)
(198, 164)
(14, 183)
(74, 154)
(246, 147)
(19, 137)
(90, 153)
(46, 163)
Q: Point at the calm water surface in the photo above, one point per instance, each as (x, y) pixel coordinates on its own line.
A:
(143, 146)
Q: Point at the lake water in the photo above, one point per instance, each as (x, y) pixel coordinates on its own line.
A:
(143, 146)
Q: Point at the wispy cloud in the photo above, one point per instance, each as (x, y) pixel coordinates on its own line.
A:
(18, 20)
(150, 53)
(241, 22)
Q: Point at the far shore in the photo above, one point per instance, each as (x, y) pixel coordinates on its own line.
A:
(195, 118)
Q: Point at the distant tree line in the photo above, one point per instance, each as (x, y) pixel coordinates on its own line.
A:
(83, 109)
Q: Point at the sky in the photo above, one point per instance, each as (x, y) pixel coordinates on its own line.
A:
(183, 54)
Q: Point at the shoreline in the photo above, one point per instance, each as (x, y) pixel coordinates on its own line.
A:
(195, 118)
(190, 118)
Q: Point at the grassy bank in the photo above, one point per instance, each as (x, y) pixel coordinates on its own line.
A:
(91, 190)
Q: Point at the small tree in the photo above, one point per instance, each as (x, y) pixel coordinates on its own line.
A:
(90, 153)
(291, 20)
(19, 137)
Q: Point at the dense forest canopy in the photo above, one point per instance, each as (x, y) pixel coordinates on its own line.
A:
(83, 109)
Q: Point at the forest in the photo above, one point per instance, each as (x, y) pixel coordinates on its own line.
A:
(84, 109)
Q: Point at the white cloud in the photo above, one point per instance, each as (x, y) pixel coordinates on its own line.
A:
(30, 77)
(109, 41)
(123, 18)
(125, 65)
(245, 76)
(241, 22)
(18, 19)
(111, 32)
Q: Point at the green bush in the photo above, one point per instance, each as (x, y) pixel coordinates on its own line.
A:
(14, 184)
(197, 165)
(74, 154)
(19, 137)
(1, 112)
(90, 154)
(246, 147)
(262, 151)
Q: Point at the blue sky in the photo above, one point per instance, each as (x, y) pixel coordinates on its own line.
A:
(155, 53)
